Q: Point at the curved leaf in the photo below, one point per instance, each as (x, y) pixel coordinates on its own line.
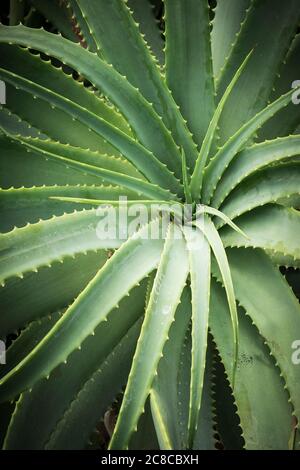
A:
(144, 160)
(268, 300)
(264, 426)
(166, 388)
(150, 190)
(40, 410)
(47, 290)
(106, 79)
(199, 260)
(189, 65)
(266, 186)
(253, 90)
(272, 227)
(28, 205)
(121, 44)
(158, 319)
(213, 238)
(130, 264)
(197, 176)
(252, 159)
(225, 155)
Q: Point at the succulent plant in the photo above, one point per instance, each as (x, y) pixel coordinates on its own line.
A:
(189, 339)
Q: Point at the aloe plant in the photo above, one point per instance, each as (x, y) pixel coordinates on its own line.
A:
(188, 337)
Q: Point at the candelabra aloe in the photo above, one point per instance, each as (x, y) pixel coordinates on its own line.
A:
(193, 332)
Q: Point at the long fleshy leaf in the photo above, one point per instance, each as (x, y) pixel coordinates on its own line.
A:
(144, 160)
(28, 248)
(28, 205)
(47, 290)
(270, 429)
(39, 411)
(199, 260)
(252, 159)
(271, 227)
(224, 156)
(264, 187)
(110, 82)
(158, 319)
(197, 176)
(166, 389)
(267, 299)
(119, 39)
(188, 63)
(253, 90)
(130, 264)
(143, 13)
(224, 33)
(213, 238)
(132, 183)
(106, 382)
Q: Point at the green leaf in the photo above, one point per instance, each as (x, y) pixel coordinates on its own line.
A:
(40, 410)
(253, 90)
(144, 160)
(97, 159)
(130, 264)
(43, 114)
(166, 389)
(17, 10)
(286, 121)
(210, 135)
(205, 438)
(143, 13)
(145, 437)
(20, 168)
(27, 340)
(225, 155)
(13, 124)
(272, 227)
(158, 319)
(134, 184)
(199, 261)
(213, 238)
(201, 209)
(41, 71)
(127, 51)
(264, 426)
(227, 22)
(252, 159)
(28, 205)
(185, 178)
(81, 27)
(48, 290)
(58, 15)
(109, 81)
(106, 383)
(189, 72)
(267, 299)
(263, 187)
(28, 248)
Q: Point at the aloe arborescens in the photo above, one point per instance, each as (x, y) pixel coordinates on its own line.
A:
(197, 330)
